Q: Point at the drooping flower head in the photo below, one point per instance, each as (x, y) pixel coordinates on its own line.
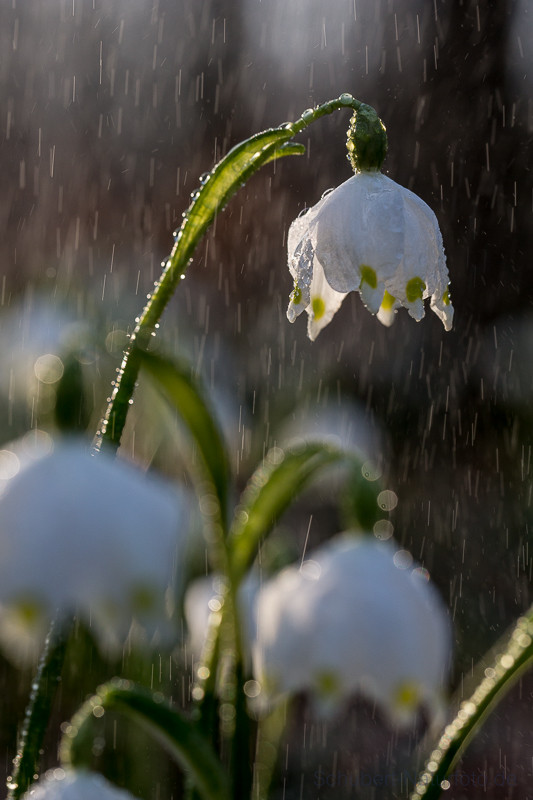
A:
(84, 535)
(369, 235)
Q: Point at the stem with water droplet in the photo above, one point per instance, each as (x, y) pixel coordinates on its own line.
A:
(26, 762)
(222, 182)
(509, 665)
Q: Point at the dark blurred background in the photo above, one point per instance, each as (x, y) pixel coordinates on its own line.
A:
(110, 112)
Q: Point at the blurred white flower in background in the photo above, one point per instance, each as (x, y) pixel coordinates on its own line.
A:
(372, 236)
(356, 617)
(59, 784)
(84, 535)
(204, 596)
(35, 333)
(341, 423)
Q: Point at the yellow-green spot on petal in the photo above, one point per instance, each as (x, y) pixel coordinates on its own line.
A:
(28, 612)
(407, 696)
(414, 289)
(296, 294)
(327, 684)
(318, 306)
(388, 301)
(368, 275)
(446, 297)
(143, 599)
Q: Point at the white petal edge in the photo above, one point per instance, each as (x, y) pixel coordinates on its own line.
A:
(320, 289)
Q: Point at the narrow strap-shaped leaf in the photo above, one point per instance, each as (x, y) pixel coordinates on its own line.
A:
(178, 735)
(509, 665)
(184, 393)
(270, 490)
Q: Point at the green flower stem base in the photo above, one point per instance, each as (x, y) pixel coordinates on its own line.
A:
(498, 680)
(26, 762)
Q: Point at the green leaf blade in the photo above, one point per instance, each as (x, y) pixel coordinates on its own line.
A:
(225, 179)
(178, 735)
(509, 665)
(175, 381)
(270, 491)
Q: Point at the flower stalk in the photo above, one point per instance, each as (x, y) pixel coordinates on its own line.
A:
(26, 762)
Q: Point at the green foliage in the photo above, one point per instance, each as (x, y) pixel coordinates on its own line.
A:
(72, 408)
(226, 178)
(367, 140)
(26, 763)
(270, 491)
(177, 384)
(179, 737)
(517, 656)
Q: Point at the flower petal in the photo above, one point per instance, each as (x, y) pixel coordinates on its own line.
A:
(351, 226)
(423, 267)
(324, 302)
(301, 268)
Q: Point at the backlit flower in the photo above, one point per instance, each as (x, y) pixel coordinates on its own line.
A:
(83, 535)
(354, 618)
(372, 236)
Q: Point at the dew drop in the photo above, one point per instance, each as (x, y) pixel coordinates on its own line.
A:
(346, 99)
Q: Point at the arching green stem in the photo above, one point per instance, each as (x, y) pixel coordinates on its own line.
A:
(218, 187)
(499, 678)
(215, 191)
(26, 762)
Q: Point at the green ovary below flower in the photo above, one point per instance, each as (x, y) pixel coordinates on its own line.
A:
(372, 236)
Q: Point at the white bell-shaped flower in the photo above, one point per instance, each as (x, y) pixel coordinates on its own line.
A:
(356, 617)
(59, 784)
(372, 236)
(85, 535)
